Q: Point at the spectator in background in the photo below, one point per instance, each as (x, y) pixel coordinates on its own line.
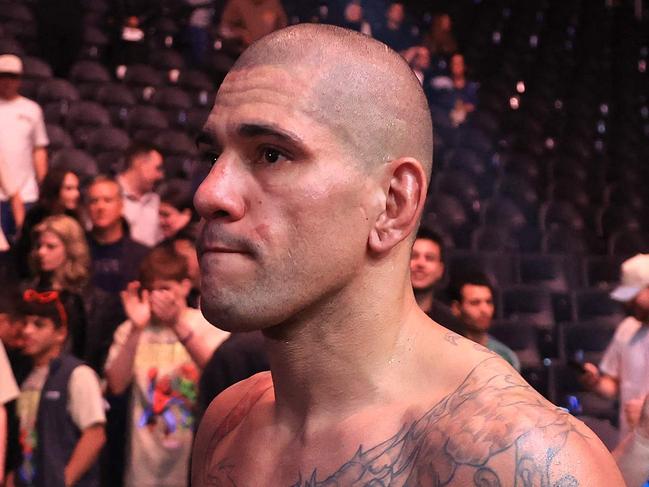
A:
(353, 18)
(200, 19)
(465, 91)
(143, 170)
(61, 261)
(440, 40)
(418, 58)
(23, 142)
(624, 370)
(426, 272)
(176, 211)
(59, 194)
(473, 304)
(8, 392)
(114, 255)
(245, 21)
(395, 31)
(60, 407)
(632, 454)
(11, 325)
(160, 349)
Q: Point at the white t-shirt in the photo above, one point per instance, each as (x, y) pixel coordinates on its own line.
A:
(9, 389)
(142, 216)
(22, 130)
(627, 360)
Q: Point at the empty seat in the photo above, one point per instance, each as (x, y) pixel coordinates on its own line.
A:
(167, 59)
(566, 241)
(528, 304)
(107, 139)
(145, 118)
(521, 338)
(494, 238)
(628, 243)
(83, 117)
(521, 192)
(57, 90)
(586, 341)
(560, 214)
(78, 161)
(554, 272)
(179, 152)
(459, 184)
(602, 271)
(174, 102)
(9, 45)
(35, 71)
(617, 218)
(59, 138)
(144, 79)
(596, 305)
(500, 268)
(503, 212)
(446, 211)
(118, 99)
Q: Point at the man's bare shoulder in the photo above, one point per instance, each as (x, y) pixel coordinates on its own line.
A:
(225, 413)
(492, 429)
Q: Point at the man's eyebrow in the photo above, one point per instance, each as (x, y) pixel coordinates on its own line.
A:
(260, 130)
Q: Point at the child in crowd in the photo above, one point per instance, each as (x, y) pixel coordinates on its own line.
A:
(60, 407)
(160, 350)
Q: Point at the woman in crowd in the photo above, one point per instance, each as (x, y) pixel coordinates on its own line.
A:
(176, 208)
(60, 261)
(59, 194)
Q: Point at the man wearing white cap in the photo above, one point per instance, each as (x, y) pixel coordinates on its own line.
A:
(624, 369)
(23, 142)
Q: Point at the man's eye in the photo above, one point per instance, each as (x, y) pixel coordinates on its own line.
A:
(210, 157)
(271, 155)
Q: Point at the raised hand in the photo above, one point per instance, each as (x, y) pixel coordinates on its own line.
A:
(165, 306)
(136, 305)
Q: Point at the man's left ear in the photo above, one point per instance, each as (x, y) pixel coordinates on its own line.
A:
(405, 196)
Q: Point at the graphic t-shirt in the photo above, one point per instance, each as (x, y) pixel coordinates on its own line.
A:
(85, 407)
(164, 391)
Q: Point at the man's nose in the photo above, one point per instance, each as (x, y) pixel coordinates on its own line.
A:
(220, 195)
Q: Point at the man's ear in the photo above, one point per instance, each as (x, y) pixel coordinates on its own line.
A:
(186, 287)
(406, 186)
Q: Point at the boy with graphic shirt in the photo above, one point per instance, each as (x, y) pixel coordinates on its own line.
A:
(60, 406)
(160, 350)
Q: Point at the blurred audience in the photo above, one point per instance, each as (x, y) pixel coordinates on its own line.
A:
(245, 21)
(59, 194)
(8, 393)
(632, 454)
(624, 370)
(115, 257)
(353, 18)
(426, 273)
(473, 303)
(176, 211)
(60, 439)
(143, 171)
(395, 31)
(160, 349)
(23, 142)
(439, 39)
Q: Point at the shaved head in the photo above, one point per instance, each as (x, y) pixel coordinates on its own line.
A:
(361, 89)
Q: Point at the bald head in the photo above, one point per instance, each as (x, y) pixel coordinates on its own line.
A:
(358, 87)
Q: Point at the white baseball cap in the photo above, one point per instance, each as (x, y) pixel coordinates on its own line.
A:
(635, 277)
(10, 64)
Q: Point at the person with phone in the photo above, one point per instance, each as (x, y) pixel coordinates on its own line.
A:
(624, 369)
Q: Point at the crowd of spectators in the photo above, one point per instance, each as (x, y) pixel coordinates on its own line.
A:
(100, 274)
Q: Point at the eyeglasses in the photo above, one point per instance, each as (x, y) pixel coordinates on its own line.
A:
(46, 297)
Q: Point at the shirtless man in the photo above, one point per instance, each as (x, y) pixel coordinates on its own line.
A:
(321, 145)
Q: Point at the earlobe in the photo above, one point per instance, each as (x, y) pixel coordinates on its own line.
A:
(405, 196)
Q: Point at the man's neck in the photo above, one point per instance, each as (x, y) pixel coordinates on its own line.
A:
(129, 181)
(480, 337)
(108, 235)
(341, 358)
(425, 299)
